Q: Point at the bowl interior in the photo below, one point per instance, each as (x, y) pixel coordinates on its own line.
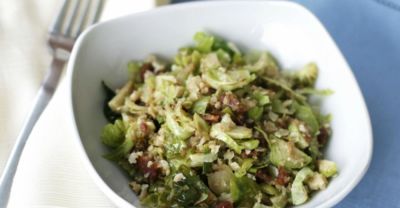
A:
(289, 31)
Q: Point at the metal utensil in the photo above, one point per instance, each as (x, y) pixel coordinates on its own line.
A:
(73, 17)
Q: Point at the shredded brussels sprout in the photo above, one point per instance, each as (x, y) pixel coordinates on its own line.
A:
(327, 168)
(218, 127)
(298, 190)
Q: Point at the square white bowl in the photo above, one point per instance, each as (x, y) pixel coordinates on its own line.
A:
(288, 30)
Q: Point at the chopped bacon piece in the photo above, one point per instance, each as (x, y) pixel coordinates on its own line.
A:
(263, 176)
(151, 170)
(144, 128)
(283, 176)
(239, 119)
(282, 123)
(263, 142)
(323, 136)
(231, 100)
(308, 138)
(141, 144)
(213, 118)
(145, 67)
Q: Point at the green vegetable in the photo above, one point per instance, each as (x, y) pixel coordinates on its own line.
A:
(280, 200)
(121, 151)
(250, 144)
(190, 190)
(127, 167)
(317, 182)
(204, 42)
(148, 88)
(210, 61)
(197, 160)
(218, 133)
(269, 189)
(166, 90)
(258, 128)
(228, 80)
(119, 98)
(160, 198)
(296, 136)
(284, 86)
(312, 91)
(305, 114)
(173, 145)
(229, 48)
(176, 162)
(261, 97)
(219, 181)
(134, 69)
(110, 115)
(201, 126)
(324, 119)
(255, 113)
(277, 106)
(186, 195)
(287, 155)
(207, 167)
(227, 131)
(186, 57)
(246, 165)
(113, 134)
(133, 108)
(200, 106)
(223, 57)
(299, 192)
(314, 148)
(262, 63)
(307, 75)
(178, 126)
(327, 168)
(234, 131)
(239, 132)
(243, 189)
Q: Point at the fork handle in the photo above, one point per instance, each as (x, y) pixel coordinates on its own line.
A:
(43, 97)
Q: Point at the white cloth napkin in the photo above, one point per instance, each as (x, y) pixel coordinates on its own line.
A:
(50, 173)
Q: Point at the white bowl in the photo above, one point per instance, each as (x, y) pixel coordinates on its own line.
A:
(289, 31)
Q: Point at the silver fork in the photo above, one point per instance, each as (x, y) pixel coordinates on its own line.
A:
(73, 17)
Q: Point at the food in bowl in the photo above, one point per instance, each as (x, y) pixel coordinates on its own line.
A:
(219, 128)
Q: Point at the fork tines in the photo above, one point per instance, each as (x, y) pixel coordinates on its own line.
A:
(75, 15)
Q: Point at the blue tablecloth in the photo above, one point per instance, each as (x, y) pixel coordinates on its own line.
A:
(368, 34)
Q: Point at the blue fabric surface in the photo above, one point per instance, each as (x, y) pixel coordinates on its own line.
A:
(368, 34)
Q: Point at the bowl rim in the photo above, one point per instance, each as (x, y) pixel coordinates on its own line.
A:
(121, 202)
